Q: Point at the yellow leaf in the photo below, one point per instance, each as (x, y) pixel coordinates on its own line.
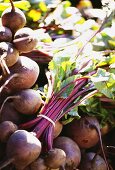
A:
(43, 6)
(34, 14)
(23, 5)
(111, 43)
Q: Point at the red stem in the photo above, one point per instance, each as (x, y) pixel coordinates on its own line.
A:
(53, 103)
(55, 109)
(29, 124)
(55, 112)
(44, 123)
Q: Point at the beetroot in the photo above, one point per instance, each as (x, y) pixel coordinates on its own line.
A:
(25, 40)
(13, 18)
(26, 71)
(28, 101)
(83, 131)
(5, 34)
(86, 133)
(8, 113)
(55, 158)
(73, 154)
(7, 128)
(57, 129)
(92, 161)
(22, 149)
(38, 164)
(8, 55)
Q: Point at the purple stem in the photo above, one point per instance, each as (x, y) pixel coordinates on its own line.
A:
(54, 110)
(29, 124)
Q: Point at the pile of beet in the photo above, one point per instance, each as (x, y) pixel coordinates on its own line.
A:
(32, 137)
(18, 74)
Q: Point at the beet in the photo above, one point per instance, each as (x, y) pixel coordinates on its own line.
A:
(73, 154)
(5, 34)
(7, 128)
(27, 72)
(105, 129)
(28, 101)
(9, 113)
(25, 40)
(38, 164)
(86, 133)
(8, 53)
(22, 149)
(57, 129)
(25, 44)
(91, 161)
(55, 158)
(13, 18)
(23, 32)
(82, 131)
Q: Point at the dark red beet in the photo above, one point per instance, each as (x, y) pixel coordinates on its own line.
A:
(13, 18)
(55, 158)
(25, 40)
(73, 154)
(38, 164)
(28, 101)
(22, 149)
(91, 161)
(7, 128)
(57, 129)
(8, 53)
(9, 113)
(5, 34)
(82, 131)
(26, 71)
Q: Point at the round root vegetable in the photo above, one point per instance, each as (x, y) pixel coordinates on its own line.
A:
(57, 129)
(25, 44)
(55, 158)
(28, 101)
(7, 128)
(92, 161)
(38, 164)
(105, 129)
(8, 54)
(13, 18)
(84, 132)
(23, 32)
(8, 113)
(27, 72)
(25, 40)
(5, 34)
(73, 154)
(22, 149)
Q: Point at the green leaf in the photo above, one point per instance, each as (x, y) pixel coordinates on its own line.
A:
(61, 68)
(67, 120)
(74, 112)
(106, 60)
(111, 44)
(104, 82)
(65, 82)
(93, 106)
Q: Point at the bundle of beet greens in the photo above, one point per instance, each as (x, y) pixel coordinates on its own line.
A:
(71, 81)
(66, 91)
